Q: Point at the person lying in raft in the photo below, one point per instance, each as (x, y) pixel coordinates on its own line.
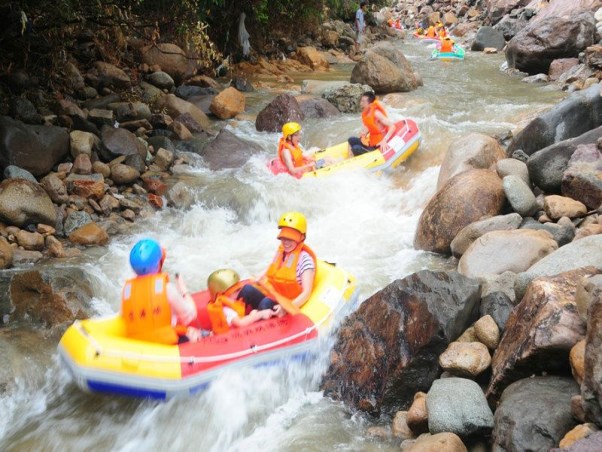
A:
(289, 280)
(377, 126)
(153, 309)
(290, 152)
(224, 311)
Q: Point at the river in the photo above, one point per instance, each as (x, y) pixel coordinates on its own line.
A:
(363, 222)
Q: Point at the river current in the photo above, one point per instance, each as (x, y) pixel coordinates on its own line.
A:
(363, 222)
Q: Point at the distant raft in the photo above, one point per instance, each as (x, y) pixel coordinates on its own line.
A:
(456, 55)
(425, 39)
(402, 144)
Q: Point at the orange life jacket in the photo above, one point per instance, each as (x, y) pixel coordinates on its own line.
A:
(215, 309)
(282, 273)
(442, 33)
(447, 46)
(146, 311)
(296, 153)
(430, 33)
(375, 129)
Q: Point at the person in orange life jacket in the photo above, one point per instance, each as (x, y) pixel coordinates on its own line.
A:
(153, 308)
(225, 311)
(447, 45)
(291, 273)
(290, 152)
(377, 126)
(431, 32)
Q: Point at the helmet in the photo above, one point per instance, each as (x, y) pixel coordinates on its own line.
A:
(293, 220)
(290, 128)
(147, 257)
(221, 280)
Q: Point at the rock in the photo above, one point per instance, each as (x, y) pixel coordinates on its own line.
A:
(187, 91)
(34, 148)
(130, 111)
(180, 131)
(316, 107)
(560, 206)
(386, 351)
(537, 78)
(88, 189)
(577, 409)
(6, 254)
(161, 80)
(386, 70)
(124, 174)
(465, 198)
(120, 142)
(577, 359)
(417, 417)
(548, 308)
(73, 78)
(473, 231)
(520, 196)
(25, 257)
(55, 247)
(55, 188)
(107, 74)
(497, 305)
(82, 164)
(99, 167)
(593, 56)
(319, 87)
(586, 231)
(45, 229)
(534, 414)
(488, 37)
(76, 220)
(399, 427)
(23, 110)
(228, 151)
(228, 103)
(513, 167)
(174, 106)
(22, 202)
(464, 359)
(346, 98)
(560, 66)
(83, 143)
(468, 336)
(136, 162)
(441, 442)
(459, 406)
(89, 234)
(582, 180)
(591, 387)
(204, 81)
(179, 196)
(47, 296)
(100, 118)
(487, 332)
(161, 142)
(536, 46)
(154, 185)
(242, 84)
(473, 151)
(171, 59)
(14, 172)
(30, 240)
(108, 203)
(284, 108)
(547, 166)
(578, 433)
(164, 159)
(312, 58)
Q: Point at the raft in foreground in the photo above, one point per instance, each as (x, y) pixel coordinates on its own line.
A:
(102, 359)
(403, 143)
(456, 55)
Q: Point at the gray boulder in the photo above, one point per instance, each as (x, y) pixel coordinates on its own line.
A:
(562, 232)
(458, 405)
(76, 220)
(488, 37)
(228, 151)
(346, 98)
(23, 202)
(520, 196)
(473, 231)
(161, 80)
(316, 107)
(118, 142)
(282, 109)
(498, 305)
(14, 172)
(513, 167)
(582, 179)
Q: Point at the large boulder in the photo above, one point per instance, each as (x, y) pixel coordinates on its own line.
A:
(473, 231)
(535, 47)
(496, 9)
(284, 108)
(488, 37)
(582, 179)
(22, 203)
(387, 350)
(574, 116)
(499, 251)
(118, 142)
(581, 253)
(34, 148)
(346, 98)
(591, 389)
(174, 106)
(172, 60)
(228, 151)
(472, 151)
(316, 107)
(547, 166)
(312, 58)
(386, 70)
(459, 406)
(228, 103)
(106, 74)
(534, 414)
(464, 199)
(540, 331)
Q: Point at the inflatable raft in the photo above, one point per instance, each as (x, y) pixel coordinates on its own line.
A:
(456, 55)
(102, 359)
(425, 39)
(402, 144)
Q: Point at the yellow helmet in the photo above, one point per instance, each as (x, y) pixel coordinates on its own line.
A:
(221, 280)
(290, 128)
(293, 220)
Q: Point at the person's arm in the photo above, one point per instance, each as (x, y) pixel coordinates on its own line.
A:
(385, 121)
(307, 283)
(288, 162)
(181, 302)
(252, 317)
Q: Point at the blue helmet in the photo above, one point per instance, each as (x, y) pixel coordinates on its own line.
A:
(146, 257)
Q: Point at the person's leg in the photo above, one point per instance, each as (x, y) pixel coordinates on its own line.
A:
(251, 296)
(266, 303)
(357, 147)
